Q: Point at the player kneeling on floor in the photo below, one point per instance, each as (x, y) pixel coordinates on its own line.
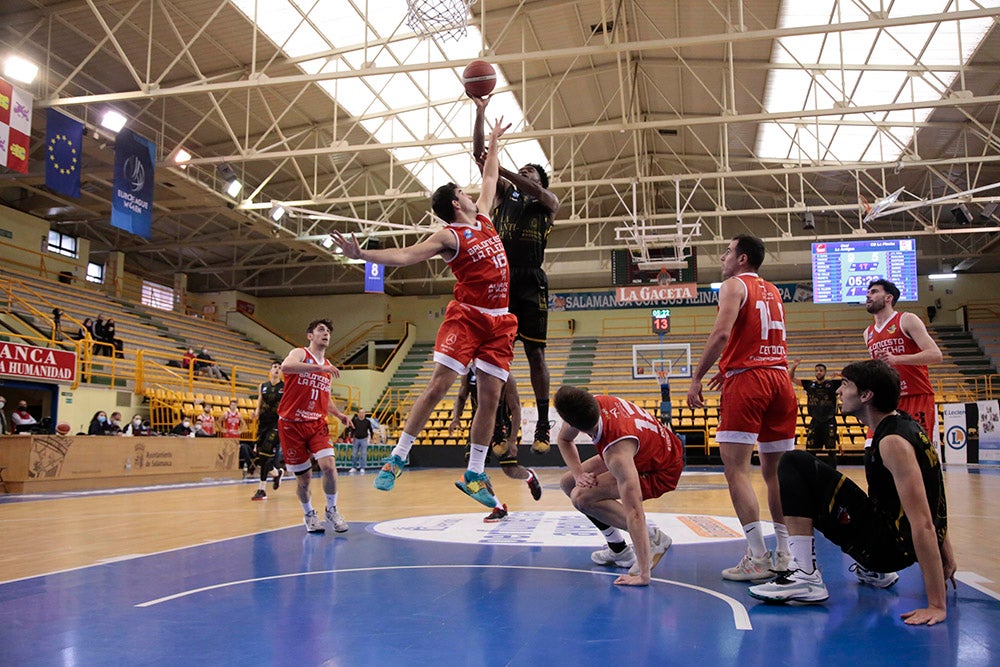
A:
(638, 458)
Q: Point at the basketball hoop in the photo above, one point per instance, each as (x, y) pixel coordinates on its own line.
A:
(447, 19)
(662, 369)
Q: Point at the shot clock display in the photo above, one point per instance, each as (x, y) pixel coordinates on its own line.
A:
(661, 321)
(841, 270)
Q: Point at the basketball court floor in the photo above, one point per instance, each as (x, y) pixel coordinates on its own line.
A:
(199, 574)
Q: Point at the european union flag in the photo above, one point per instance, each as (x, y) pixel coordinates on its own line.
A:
(63, 153)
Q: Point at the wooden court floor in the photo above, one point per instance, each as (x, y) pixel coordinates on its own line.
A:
(137, 547)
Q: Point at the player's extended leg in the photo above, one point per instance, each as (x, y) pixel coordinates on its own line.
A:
(441, 380)
(511, 468)
(476, 483)
(756, 564)
(328, 466)
(539, 372)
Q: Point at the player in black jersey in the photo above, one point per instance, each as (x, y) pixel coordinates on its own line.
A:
(903, 519)
(523, 212)
(268, 448)
(504, 441)
(821, 403)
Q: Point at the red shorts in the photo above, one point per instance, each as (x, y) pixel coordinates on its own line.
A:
(299, 440)
(654, 483)
(759, 406)
(468, 333)
(923, 410)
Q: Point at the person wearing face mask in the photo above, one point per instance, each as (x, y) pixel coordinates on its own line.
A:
(4, 424)
(23, 420)
(115, 423)
(136, 427)
(184, 428)
(99, 424)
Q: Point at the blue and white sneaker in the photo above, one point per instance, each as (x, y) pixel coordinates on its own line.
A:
(386, 477)
(478, 487)
(873, 578)
(793, 587)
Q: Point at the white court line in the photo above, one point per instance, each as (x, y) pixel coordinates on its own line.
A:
(741, 618)
(976, 581)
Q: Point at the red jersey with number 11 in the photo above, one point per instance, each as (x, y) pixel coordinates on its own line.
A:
(758, 336)
(307, 395)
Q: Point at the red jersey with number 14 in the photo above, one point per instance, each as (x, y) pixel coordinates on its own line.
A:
(482, 277)
(307, 395)
(757, 339)
(913, 380)
(659, 448)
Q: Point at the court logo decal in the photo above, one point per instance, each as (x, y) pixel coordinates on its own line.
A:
(552, 529)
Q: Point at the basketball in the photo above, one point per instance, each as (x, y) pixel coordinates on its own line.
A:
(479, 78)
(63, 428)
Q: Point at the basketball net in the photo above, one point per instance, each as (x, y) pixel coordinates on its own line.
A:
(447, 19)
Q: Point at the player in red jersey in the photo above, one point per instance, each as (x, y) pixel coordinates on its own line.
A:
(638, 458)
(477, 325)
(901, 340)
(758, 401)
(302, 425)
(232, 421)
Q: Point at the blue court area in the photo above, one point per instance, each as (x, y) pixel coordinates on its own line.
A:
(365, 598)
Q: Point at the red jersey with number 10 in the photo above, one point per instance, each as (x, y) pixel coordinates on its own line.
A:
(758, 336)
(482, 277)
(659, 448)
(307, 395)
(913, 380)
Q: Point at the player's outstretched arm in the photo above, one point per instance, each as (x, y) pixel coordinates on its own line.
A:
(437, 243)
(532, 188)
(491, 167)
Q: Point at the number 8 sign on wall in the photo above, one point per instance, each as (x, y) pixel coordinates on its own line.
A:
(374, 278)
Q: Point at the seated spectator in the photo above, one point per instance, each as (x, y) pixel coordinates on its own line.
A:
(109, 338)
(115, 422)
(204, 425)
(87, 328)
(205, 364)
(184, 428)
(23, 420)
(99, 424)
(137, 427)
(188, 358)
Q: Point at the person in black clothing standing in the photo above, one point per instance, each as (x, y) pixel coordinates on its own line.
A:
(523, 213)
(268, 447)
(362, 427)
(821, 396)
(901, 520)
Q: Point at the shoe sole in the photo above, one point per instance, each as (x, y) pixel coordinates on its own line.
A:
(315, 530)
(260, 498)
(340, 530)
(880, 587)
(489, 520)
(792, 603)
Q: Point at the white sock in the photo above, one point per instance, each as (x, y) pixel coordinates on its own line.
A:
(781, 532)
(402, 448)
(612, 535)
(331, 501)
(307, 507)
(803, 550)
(755, 539)
(477, 458)
(261, 486)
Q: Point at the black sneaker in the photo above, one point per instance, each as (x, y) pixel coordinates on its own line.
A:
(534, 484)
(260, 495)
(541, 443)
(498, 514)
(277, 480)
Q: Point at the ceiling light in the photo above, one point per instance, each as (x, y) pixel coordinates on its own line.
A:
(19, 69)
(234, 188)
(113, 121)
(328, 242)
(808, 221)
(942, 276)
(277, 212)
(180, 157)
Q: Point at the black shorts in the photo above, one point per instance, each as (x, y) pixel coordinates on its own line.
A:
(822, 434)
(529, 302)
(267, 440)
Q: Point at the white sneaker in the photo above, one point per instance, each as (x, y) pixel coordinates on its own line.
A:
(608, 557)
(658, 545)
(795, 587)
(873, 578)
(782, 561)
(313, 524)
(335, 520)
(750, 569)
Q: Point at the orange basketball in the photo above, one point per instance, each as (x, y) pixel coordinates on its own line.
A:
(479, 78)
(63, 428)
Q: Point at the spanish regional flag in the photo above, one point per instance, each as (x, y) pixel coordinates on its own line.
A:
(63, 144)
(15, 127)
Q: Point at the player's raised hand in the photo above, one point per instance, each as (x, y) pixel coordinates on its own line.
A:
(350, 246)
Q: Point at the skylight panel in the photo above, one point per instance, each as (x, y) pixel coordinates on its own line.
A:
(341, 25)
(821, 84)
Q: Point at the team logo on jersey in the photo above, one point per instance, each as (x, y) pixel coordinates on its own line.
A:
(515, 195)
(467, 233)
(891, 330)
(450, 340)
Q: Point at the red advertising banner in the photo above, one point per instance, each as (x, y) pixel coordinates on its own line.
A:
(39, 363)
(244, 307)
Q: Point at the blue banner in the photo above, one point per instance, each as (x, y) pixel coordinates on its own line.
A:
(607, 300)
(132, 204)
(63, 153)
(374, 278)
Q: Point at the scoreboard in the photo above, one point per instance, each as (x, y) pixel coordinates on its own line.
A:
(842, 270)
